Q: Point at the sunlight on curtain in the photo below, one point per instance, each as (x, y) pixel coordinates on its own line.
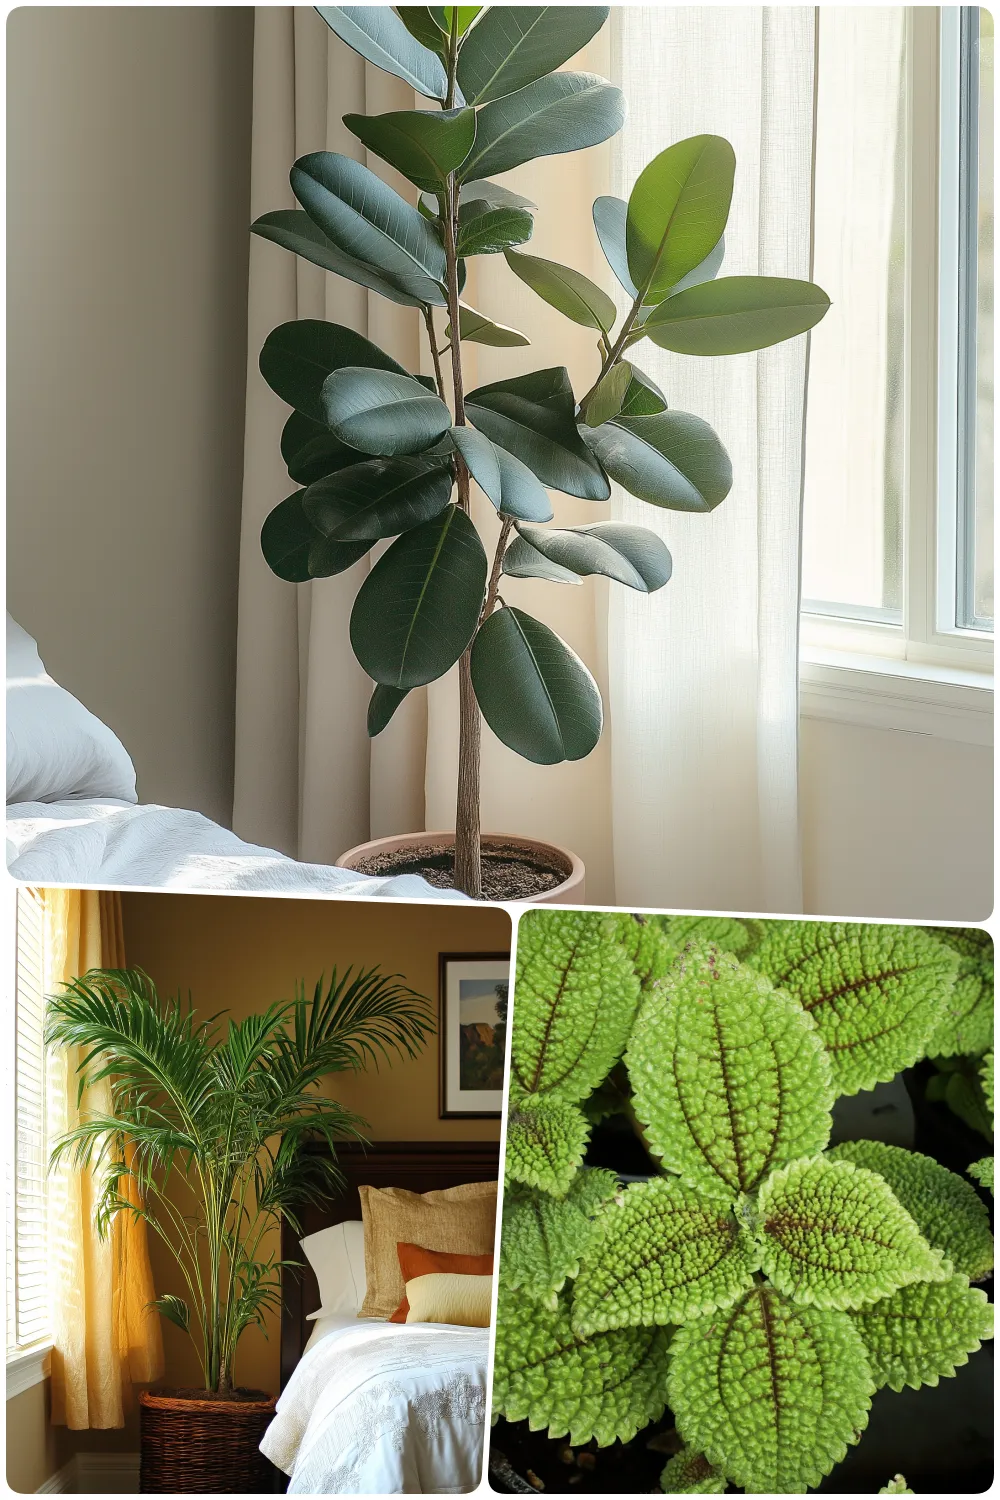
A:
(704, 674)
(105, 1335)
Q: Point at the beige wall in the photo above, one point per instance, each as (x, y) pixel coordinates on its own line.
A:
(36, 1451)
(241, 953)
(895, 824)
(128, 203)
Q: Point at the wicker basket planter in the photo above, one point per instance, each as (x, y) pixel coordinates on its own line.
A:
(193, 1442)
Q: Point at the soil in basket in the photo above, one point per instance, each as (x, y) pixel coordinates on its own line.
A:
(237, 1395)
(509, 874)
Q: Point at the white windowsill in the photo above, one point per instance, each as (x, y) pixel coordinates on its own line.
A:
(885, 693)
(26, 1368)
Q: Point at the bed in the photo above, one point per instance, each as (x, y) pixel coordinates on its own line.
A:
(366, 1406)
(73, 817)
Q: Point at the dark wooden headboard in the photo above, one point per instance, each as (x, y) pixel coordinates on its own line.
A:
(419, 1166)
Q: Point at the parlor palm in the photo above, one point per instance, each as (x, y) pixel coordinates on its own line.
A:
(221, 1112)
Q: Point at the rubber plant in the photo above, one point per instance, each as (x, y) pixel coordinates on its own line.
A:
(377, 451)
(206, 1132)
(761, 1284)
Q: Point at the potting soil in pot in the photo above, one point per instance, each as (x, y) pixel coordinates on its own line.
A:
(509, 874)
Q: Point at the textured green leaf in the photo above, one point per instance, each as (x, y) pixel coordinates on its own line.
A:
(986, 1079)
(982, 1171)
(546, 1140)
(380, 498)
(605, 1388)
(418, 608)
(380, 412)
(368, 220)
(729, 1075)
(690, 1473)
(576, 994)
(677, 212)
(535, 693)
(311, 452)
(513, 45)
(771, 1393)
(378, 34)
(671, 459)
(564, 112)
(875, 992)
(945, 1208)
(832, 1234)
(381, 706)
(924, 1331)
(544, 1238)
(629, 554)
(476, 328)
(665, 1253)
(568, 291)
(727, 933)
(612, 1097)
(959, 1084)
(896, 1486)
(736, 314)
(967, 1023)
(533, 416)
(485, 230)
(296, 359)
(425, 145)
(609, 395)
(293, 230)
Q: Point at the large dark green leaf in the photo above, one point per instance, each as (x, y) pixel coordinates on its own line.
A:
(295, 550)
(419, 606)
(493, 193)
(422, 21)
(522, 560)
(381, 706)
(381, 412)
(532, 416)
(643, 397)
(672, 459)
(736, 314)
(568, 291)
(505, 480)
(608, 396)
(476, 328)
(380, 498)
(515, 44)
(628, 554)
(484, 230)
(377, 33)
(297, 357)
(366, 219)
(610, 215)
(295, 231)
(564, 112)
(677, 212)
(424, 145)
(535, 693)
(310, 451)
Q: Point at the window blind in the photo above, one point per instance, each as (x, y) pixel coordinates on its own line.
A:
(27, 1261)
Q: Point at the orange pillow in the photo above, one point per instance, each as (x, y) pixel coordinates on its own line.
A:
(414, 1260)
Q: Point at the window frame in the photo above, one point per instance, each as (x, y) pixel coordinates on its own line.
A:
(928, 647)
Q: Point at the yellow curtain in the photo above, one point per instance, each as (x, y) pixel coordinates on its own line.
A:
(105, 1335)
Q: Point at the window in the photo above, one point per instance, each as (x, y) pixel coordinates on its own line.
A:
(898, 483)
(27, 1265)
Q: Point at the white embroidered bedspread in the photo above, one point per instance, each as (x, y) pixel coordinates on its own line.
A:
(384, 1409)
(99, 841)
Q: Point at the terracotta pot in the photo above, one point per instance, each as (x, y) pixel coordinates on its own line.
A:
(570, 891)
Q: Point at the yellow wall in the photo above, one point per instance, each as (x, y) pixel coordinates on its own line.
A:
(240, 953)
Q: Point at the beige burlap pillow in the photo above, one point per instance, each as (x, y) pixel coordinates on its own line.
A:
(461, 1220)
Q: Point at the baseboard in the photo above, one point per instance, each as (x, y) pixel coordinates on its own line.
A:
(95, 1474)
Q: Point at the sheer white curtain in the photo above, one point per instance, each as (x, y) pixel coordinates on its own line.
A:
(703, 675)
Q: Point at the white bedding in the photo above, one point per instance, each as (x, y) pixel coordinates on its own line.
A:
(103, 841)
(384, 1409)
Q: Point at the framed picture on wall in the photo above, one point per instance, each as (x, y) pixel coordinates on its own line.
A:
(472, 1034)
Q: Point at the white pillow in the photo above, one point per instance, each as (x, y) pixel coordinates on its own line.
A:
(56, 748)
(337, 1255)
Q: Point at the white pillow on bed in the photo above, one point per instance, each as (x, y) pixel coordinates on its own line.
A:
(337, 1256)
(56, 748)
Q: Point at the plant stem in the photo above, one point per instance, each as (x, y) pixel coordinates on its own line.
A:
(617, 347)
(494, 583)
(435, 351)
(468, 850)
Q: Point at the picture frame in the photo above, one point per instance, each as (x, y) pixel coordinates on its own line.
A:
(473, 989)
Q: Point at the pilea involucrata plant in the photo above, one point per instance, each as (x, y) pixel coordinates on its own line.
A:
(378, 451)
(761, 1284)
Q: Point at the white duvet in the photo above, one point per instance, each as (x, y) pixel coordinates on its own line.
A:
(384, 1409)
(103, 841)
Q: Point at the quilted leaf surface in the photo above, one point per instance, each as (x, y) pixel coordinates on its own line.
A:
(924, 1331)
(729, 1076)
(690, 1473)
(966, 1025)
(982, 1171)
(544, 1239)
(545, 1143)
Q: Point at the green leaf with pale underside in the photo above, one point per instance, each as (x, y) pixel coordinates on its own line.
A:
(664, 1253)
(833, 1235)
(563, 112)
(677, 212)
(380, 37)
(924, 1332)
(546, 1139)
(382, 413)
(544, 1239)
(771, 1393)
(513, 45)
(476, 328)
(567, 290)
(690, 1473)
(670, 459)
(729, 1076)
